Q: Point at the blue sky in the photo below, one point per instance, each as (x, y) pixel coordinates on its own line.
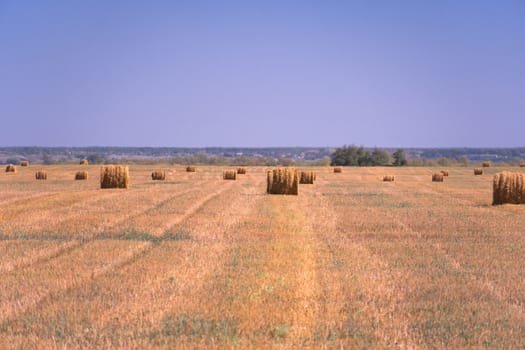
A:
(262, 73)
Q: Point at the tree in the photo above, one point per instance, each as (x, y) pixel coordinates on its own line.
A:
(399, 158)
(379, 157)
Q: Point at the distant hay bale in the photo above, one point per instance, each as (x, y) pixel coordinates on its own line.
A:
(522, 165)
(478, 171)
(229, 174)
(24, 163)
(486, 164)
(338, 169)
(114, 176)
(307, 177)
(158, 175)
(10, 168)
(437, 177)
(84, 162)
(388, 178)
(41, 175)
(508, 187)
(241, 170)
(190, 169)
(444, 172)
(282, 181)
(81, 175)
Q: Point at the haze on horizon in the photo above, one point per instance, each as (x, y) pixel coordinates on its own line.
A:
(272, 73)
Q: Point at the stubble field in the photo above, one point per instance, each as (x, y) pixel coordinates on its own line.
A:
(196, 261)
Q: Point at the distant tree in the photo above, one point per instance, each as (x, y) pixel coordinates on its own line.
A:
(463, 161)
(399, 158)
(95, 159)
(443, 161)
(379, 157)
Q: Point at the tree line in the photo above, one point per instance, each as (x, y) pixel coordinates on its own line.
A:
(359, 156)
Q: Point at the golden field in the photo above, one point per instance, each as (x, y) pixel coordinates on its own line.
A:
(199, 262)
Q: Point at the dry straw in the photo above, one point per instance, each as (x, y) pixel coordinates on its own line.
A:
(158, 175)
(229, 175)
(81, 175)
(114, 176)
(437, 177)
(338, 170)
(84, 162)
(388, 178)
(10, 168)
(508, 187)
(282, 181)
(444, 172)
(307, 177)
(241, 170)
(478, 171)
(41, 175)
(486, 164)
(24, 163)
(190, 169)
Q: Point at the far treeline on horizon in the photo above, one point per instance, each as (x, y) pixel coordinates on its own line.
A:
(351, 155)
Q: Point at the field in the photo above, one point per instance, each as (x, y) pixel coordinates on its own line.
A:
(196, 261)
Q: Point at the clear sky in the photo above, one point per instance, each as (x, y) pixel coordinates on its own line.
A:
(262, 73)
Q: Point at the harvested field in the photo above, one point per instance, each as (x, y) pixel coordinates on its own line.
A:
(199, 262)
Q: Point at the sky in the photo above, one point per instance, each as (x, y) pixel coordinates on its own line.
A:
(442, 73)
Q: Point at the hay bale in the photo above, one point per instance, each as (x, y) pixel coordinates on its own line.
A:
(508, 187)
(444, 172)
(24, 163)
(41, 175)
(478, 171)
(84, 162)
(241, 170)
(338, 169)
(522, 165)
(229, 175)
(10, 168)
(190, 169)
(307, 177)
(158, 175)
(437, 177)
(388, 178)
(114, 176)
(81, 175)
(486, 164)
(283, 181)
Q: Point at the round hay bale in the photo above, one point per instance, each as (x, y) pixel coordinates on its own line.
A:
(81, 175)
(486, 164)
(24, 163)
(41, 175)
(159, 175)
(307, 177)
(114, 176)
(444, 172)
(522, 165)
(84, 162)
(437, 177)
(338, 169)
(508, 188)
(190, 169)
(283, 181)
(10, 168)
(478, 171)
(388, 178)
(229, 175)
(241, 170)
